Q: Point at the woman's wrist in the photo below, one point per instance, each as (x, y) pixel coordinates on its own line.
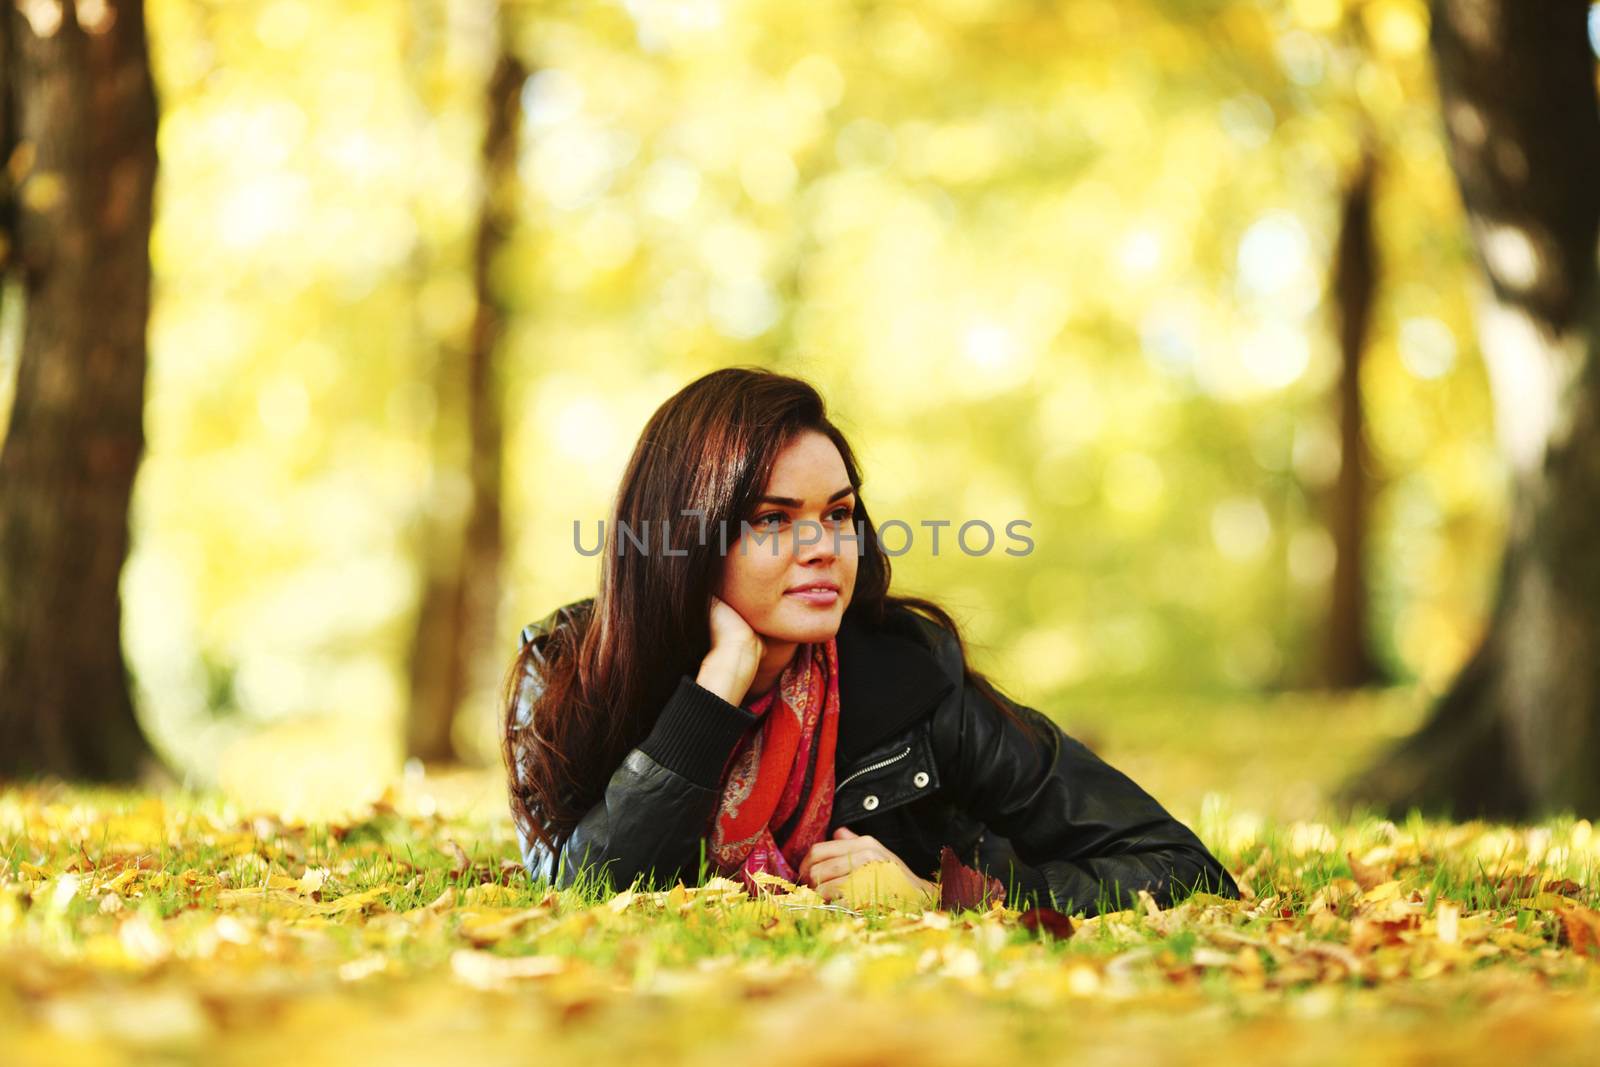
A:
(727, 675)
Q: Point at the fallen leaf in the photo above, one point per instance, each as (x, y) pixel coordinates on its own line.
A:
(1515, 886)
(1580, 929)
(488, 927)
(961, 886)
(351, 902)
(766, 878)
(490, 894)
(312, 881)
(484, 970)
(1388, 890)
(1367, 876)
(1048, 920)
(881, 882)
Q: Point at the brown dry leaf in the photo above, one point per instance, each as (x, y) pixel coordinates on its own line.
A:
(1514, 886)
(1367, 876)
(1580, 929)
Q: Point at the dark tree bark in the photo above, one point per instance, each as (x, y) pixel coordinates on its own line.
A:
(1348, 661)
(80, 129)
(1518, 733)
(455, 637)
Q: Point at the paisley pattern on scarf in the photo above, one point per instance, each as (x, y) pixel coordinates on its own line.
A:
(779, 779)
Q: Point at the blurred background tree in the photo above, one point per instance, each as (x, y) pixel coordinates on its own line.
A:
(1518, 732)
(1143, 274)
(452, 656)
(78, 140)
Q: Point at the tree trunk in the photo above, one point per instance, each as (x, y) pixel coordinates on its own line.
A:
(1517, 735)
(454, 646)
(81, 126)
(1348, 661)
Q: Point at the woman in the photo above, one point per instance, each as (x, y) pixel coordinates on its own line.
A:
(745, 692)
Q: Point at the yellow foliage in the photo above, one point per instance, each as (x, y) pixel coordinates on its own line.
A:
(882, 883)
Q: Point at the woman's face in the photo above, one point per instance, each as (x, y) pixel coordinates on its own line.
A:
(764, 570)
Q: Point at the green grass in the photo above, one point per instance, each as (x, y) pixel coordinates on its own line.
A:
(181, 929)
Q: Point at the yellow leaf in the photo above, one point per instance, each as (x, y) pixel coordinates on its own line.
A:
(767, 878)
(1383, 891)
(487, 927)
(120, 882)
(351, 902)
(881, 882)
(485, 970)
(489, 894)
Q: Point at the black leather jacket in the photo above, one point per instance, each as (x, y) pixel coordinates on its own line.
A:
(923, 760)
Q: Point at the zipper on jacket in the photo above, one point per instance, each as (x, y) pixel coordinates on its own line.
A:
(872, 767)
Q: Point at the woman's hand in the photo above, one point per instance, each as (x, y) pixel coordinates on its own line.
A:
(736, 649)
(828, 863)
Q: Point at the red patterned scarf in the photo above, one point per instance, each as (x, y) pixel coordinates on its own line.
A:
(779, 780)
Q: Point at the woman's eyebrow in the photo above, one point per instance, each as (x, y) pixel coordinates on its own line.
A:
(791, 502)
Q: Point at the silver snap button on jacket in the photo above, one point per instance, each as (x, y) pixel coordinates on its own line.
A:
(870, 803)
(921, 779)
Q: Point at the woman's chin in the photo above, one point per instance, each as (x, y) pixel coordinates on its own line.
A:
(805, 623)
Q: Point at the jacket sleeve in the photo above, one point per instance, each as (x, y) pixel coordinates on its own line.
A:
(658, 804)
(1087, 837)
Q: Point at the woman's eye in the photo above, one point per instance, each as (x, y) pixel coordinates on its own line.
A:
(762, 520)
(841, 513)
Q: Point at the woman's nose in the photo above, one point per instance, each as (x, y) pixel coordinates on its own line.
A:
(813, 541)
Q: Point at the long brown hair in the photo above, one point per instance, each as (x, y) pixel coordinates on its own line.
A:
(710, 449)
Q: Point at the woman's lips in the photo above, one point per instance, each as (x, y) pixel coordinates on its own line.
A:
(816, 597)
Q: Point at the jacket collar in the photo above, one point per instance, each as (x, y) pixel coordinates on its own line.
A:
(886, 682)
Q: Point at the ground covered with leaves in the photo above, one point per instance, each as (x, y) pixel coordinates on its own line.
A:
(181, 929)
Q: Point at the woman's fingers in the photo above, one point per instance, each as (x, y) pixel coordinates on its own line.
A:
(815, 855)
(823, 850)
(839, 866)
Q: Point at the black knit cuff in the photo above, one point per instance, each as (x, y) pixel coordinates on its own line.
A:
(696, 733)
